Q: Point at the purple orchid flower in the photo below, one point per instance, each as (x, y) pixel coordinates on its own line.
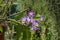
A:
(31, 13)
(23, 20)
(41, 17)
(35, 23)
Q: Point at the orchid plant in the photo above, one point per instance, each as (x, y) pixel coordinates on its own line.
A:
(29, 19)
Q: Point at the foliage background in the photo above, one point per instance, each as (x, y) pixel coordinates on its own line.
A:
(43, 7)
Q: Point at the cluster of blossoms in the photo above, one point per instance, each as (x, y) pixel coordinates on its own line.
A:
(29, 19)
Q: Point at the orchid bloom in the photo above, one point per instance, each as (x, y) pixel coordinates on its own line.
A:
(23, 20)
(31, 13)
(35, 23)
(41, 17)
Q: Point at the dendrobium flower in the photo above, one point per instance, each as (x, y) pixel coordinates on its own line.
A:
(35, 23)
(23, 20)
(41, 17)
(31, 13)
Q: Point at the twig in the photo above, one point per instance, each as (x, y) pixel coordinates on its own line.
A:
(19, 12)
(13, 20)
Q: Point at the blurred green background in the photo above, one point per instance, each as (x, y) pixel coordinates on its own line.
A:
(12, 10)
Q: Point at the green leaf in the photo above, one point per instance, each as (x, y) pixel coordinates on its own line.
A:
(26, 33)
(1, 29)
(19, 31)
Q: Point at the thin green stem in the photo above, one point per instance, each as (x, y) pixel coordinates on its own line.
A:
(19, 12)
(15, 21)
(32, 35)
